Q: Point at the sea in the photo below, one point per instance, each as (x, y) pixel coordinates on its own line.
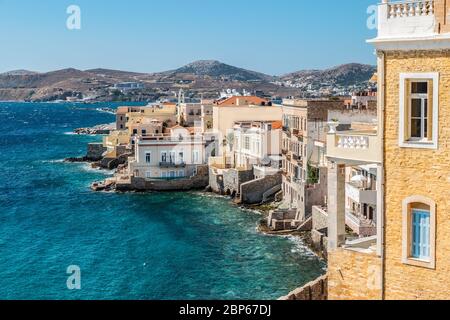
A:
(55, 232)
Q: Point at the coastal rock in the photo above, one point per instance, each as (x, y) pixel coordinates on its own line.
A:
(94, 154)
(102, 129)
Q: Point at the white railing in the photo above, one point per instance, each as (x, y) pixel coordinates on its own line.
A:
(410, 8)
(353, 142)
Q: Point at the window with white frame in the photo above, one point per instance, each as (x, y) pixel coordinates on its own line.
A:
(419, 103)
(419, 232)
(148, 157)
(195, 157)
(247, 143)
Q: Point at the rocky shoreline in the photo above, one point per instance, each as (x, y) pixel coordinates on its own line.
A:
(102, 129)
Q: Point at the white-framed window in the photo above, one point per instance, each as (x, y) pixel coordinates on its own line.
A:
(173, 157)
(247, 143)
(163, 156)
(148, 174)
(195, 157)
(419, 110)
(419, 232)
(148, 157)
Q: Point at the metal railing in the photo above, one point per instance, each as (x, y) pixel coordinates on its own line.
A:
(171, 164)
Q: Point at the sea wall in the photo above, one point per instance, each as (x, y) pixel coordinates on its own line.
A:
(253, 192)
(315, 290)
(233, 179)
(200, 181)
(216, 181)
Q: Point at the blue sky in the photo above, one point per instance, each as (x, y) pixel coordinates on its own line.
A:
(271, 36)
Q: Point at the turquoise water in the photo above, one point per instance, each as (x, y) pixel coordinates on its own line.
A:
(128, 246)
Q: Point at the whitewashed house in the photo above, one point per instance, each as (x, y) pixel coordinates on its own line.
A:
(173, 155)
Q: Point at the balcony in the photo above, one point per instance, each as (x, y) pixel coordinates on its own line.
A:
(361, 195)
(406, 19)
(296, 157)
(356, 146)
(171, 164)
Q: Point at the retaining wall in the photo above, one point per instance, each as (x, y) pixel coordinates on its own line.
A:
(252, 192)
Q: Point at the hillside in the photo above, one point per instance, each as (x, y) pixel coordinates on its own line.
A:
(343, 75)
(219, 70)
(206, 77)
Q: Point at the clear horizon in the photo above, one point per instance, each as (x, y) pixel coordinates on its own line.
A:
(265, 36)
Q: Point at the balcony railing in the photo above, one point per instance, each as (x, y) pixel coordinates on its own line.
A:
(354, 145)
(353, 142)
(410, 8)
(171, 164)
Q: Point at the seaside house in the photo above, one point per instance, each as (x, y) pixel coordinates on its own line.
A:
(257, 146)
(303, 157)
(122, 116)
(164, 112)
(144, 126)
(173, 155)
(242, 108)
(408, 258)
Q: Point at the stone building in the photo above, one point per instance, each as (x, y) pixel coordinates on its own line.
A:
(303, 153)
(409, 257)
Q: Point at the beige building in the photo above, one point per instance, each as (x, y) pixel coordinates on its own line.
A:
(144, 126)
(114, 139)
(408, 259)
(303, 149)
(164, 112)
(229, 111)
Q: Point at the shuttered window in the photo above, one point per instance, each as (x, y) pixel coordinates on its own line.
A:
(420, 234)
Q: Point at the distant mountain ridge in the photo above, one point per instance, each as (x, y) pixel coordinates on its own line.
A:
(203, 76)
(20, 72)
(344, 75)
(217, 69)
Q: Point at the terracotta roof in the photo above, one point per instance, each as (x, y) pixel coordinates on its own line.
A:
(246, 100)
(277, 125)
(122, 110)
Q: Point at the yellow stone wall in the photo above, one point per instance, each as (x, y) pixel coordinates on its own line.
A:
(421, 172)
(353, 275)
